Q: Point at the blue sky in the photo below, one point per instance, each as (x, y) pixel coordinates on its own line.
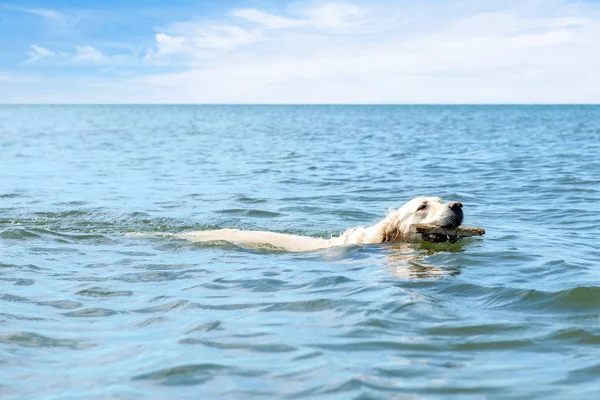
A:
(429, 51)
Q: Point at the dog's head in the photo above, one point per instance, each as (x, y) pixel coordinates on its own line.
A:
(421, 210)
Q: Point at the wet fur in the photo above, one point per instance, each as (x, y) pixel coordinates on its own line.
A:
(393, 228)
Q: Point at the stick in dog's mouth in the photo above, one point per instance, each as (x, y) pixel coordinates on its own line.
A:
(434, 233)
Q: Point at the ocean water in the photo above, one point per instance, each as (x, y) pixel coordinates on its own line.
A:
(87, 311)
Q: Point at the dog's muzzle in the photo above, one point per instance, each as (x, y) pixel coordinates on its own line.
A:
(454, 216)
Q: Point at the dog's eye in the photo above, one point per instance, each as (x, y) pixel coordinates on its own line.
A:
(422, 207)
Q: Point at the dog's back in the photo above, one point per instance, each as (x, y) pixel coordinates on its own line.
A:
(256, 238)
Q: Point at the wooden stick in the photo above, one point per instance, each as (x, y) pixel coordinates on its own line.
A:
(461, 231)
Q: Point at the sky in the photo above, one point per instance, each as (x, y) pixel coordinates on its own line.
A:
(300, 52)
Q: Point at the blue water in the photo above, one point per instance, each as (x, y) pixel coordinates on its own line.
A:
(89, 312)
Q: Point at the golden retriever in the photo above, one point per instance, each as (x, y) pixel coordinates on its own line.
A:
(393, 228)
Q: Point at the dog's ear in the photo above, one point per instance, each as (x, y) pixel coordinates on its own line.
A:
(390, 232)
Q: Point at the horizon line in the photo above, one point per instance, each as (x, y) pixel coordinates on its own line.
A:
(300, 104)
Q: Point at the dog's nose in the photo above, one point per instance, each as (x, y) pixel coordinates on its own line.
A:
(455, 205)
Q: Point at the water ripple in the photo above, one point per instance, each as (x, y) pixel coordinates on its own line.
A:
(194, 374)
(91, 312)
(149, 315)
(29, 339)
(102, 292)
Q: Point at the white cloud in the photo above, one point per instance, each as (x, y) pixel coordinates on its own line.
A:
(335, 15)
(89, 54)
(224, 37)
(324, 16)
(195, 38)
(167, 44)
(545, 39)
(43, 12)
(82, 56)
(265, 19)
(490, 56)
(40, 12)
(38, 52)
(193, 41)
(426, 52)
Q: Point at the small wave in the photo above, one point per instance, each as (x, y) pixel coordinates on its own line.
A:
(10, 298)
(30, 267)
(29, 339)
(72, 236)
(583, 375)
(380, 345)
(156, 276)
(19, 281)
(250, 213)
(257, 285)
(10, 195)
(102, 292)
(207, 327)
(574, 335)
(228, 307)
(17, 234)
(172, 305)
(260, 348)
(61, 304)
(91, 312)
(194, 374)
(472, 345)
(249, 200)
(63, 214)
(316, 305)
(150, 322)
(470, 330)
(578, 299)
(72, 203)
(328, 281)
